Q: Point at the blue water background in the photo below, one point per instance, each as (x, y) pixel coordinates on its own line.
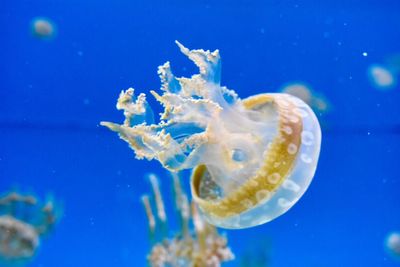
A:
(53, 94)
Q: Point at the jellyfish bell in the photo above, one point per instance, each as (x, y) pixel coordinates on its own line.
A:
(252, 159)
(279, 180)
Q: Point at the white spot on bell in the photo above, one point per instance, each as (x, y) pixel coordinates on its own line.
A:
(305, 158)
(292, 149)
(274, 178)
(307, 138)
(290, 185)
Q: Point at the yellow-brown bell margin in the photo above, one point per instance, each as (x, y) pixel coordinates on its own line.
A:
(279, 161)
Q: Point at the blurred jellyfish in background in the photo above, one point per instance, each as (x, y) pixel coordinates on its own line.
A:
(382, 77)
(392, 244)
(317, 101)
(43, 28)
(23, 221)
(195, 244)
(385, 76)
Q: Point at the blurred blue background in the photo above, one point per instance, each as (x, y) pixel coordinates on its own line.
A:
(54, 93)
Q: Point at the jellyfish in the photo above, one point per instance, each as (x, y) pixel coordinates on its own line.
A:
(382, 77)
(200, 245)
(251, 159)
(23, 220)
(316, 101)
(392, 244)
(43, 28)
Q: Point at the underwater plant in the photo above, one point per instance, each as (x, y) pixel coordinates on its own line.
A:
(23, 220)
(252, 159)
(197, 246)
